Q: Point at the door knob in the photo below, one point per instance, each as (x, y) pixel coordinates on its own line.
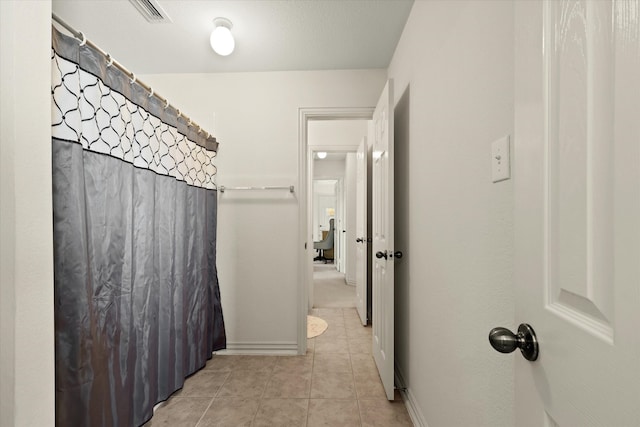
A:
(359, 240)
(381, 254)
(505, 341)
(397, 254)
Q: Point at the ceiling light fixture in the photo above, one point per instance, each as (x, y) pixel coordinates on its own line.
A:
(221, 39)
(322, 155)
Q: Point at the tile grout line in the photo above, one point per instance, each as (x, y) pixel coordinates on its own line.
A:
(264, 390)
(205, 411)
(313, 362)
(213, 398)
(355, 387)
(353, 374)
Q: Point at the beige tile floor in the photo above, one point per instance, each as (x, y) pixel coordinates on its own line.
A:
(335, 384)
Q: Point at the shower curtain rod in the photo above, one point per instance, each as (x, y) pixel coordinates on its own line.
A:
(80, 36)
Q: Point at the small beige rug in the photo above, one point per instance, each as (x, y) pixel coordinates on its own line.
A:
(315, 326)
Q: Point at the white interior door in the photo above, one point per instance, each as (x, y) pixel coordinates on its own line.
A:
(577, 211)
(361, 230)
(382, 193)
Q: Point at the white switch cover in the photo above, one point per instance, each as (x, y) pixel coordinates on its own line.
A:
(500, 160)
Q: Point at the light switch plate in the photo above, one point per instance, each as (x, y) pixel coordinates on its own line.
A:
(500, 160)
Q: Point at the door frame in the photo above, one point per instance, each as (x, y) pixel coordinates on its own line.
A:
(305, 183)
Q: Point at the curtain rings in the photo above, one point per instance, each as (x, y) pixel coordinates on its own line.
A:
(199, 129)
(189, 122)
(109, 60)
(150, 91)
(133, 78)
(84, 38)
(166, 104)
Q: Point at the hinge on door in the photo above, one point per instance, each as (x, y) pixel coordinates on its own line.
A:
(305, 246)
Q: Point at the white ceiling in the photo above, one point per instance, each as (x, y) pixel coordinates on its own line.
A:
(271, 35)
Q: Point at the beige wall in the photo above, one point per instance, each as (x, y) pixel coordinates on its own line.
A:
(453, 71)
(332, 133)
(26, 248)
(255, 117)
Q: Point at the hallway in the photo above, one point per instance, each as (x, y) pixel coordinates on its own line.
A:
(335, 384)
(330, 290)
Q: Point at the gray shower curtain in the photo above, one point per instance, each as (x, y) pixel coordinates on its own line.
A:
(137, 303)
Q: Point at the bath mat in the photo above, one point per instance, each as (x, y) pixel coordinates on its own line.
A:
(315, 326)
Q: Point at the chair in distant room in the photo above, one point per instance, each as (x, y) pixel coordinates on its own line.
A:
(325, 246)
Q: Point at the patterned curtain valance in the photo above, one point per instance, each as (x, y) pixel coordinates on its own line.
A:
(101, 108)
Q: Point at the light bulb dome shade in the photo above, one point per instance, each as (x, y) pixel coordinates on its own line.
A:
(222, 41)
(322, 154)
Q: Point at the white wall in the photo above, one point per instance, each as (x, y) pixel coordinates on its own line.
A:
(256, 121)
(26, 247)
(329, 169)
(336, 133)
(453, 71)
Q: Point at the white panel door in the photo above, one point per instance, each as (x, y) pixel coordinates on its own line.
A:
(361, 230)
(577, 211)
(382, 194)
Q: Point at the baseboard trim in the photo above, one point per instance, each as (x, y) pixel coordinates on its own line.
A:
(261, 348)
(417, 418)
(351, 282)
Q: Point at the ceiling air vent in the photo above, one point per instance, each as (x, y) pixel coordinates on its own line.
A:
(151, 11)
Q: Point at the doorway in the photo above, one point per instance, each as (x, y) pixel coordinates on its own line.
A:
(333, 211)
(307, 118)
(379, 143)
